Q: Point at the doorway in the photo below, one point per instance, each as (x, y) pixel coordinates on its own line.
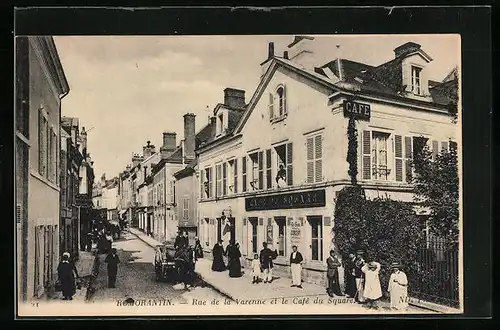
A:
(232, 232)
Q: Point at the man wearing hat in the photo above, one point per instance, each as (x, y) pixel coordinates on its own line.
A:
(112, 260)
(398, 288)
(359, 262)
(372, 291)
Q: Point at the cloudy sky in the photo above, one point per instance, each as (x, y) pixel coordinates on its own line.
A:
(131, 89)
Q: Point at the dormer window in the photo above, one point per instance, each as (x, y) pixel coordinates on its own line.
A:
(416, 80)
(277, 104)
(220, 120)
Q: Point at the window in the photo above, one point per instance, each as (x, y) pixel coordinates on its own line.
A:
(219, 229)
(284, 163)
(253, 222)
(375, 155)
(224, 179)
(185, 209)
(218, 180)
(316, 237)
(280, 92)
(235, 173)
(244, 174)
(208, 183)
(269, 182)
(221, 123)
(314, 146)
(42, 143)
(277, 104)
(416, 83)
(202, 184)
(271, 106)
(255, 183)
(281, 222)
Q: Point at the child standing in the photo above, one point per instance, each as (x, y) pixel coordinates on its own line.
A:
(372, 291)
(255, 268)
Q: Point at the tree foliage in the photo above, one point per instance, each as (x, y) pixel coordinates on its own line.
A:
(352, 150)
(385, 229)
(436, 186)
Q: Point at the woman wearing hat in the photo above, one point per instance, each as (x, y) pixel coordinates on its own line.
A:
(372, 291)
(398, 288)
(66, 272)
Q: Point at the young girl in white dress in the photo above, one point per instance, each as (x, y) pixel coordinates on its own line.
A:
(255, 268)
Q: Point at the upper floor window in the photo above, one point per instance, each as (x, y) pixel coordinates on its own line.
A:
(185, 209)
(375, 157)
(416, 80)
(257, 179)
(220, 122)
(277, 104)
(284, 167)
(314, 150)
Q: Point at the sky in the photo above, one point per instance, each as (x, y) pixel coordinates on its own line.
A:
(130, 89)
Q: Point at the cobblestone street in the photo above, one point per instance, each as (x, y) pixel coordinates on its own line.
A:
(135, 278)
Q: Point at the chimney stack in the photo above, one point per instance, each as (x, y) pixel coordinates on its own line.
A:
(189, 137)
(270, 54)
(234, 98)
(148, 150)
(270, 51)
(136, 160)
(406, 48)
(169, 144)
(285, 55)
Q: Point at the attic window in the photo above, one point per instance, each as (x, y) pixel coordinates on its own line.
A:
(221, 123)
(416, 80)
(277, 104)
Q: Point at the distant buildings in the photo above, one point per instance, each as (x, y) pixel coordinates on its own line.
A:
(40, 86)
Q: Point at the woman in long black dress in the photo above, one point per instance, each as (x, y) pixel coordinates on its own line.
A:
(218, 259)
(234, 263)
(66, 273)
(198, 249)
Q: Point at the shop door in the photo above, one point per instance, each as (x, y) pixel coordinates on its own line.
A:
(232, 232)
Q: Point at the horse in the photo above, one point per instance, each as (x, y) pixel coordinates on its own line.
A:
(185, 261)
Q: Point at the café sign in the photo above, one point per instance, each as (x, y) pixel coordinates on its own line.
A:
(315, 198)
(357, 110)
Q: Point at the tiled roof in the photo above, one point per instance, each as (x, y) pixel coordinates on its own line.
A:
(209, 132)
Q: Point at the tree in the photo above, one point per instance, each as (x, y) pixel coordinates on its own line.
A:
(436, 186)
(352, 150)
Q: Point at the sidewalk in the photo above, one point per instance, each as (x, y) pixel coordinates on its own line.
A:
(242, 287)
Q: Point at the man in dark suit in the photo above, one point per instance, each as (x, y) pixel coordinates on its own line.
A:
(296, 267)
(333, 275)
(266, 262)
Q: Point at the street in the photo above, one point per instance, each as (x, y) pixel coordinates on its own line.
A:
(135, 278)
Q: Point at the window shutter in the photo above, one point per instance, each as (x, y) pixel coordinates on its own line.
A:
(310, 159)
(244, 174)
(271, 106)
(435, 149)
(202, 183)
(285, 108)
(367, 155)
(408, 156)
(261, 169)
(224, 179)
(444, 145)
(18, 213)
(261, 221)
(289, 166)
(235, 169)
(318, 154)
(211, 182)
(453, 145)
(268, 170)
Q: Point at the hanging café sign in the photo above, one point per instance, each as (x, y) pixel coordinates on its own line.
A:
(357, 110)
(315, 198)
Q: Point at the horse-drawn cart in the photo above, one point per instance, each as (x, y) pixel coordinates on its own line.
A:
(165, 264)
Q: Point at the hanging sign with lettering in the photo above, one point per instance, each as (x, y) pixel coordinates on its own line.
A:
(357, 110)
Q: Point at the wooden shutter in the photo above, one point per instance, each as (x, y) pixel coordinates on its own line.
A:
(261, 169)
(398, 156)
(367, 155)
(210, 182)
(310, 159)
(285, 108)
(271, 106)
(444, 145)
(244, 173)
(435, 149)
(408, 157)
(268, 169)
(235, 172)
(202, 185)
(318, 155)
(224, 179)
(289, 166)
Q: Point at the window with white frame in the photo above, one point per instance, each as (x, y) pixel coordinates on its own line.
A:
(220, 123)
(416, 80)
(278, 103)
(380, 169)
(314, 146)
(218, 180)
(185, 209)
(257, 174)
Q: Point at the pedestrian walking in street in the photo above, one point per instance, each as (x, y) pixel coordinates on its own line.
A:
(359, 276)
(198, 249)
(181, 241)
(372, 291)
(234, 263)
(112, 260)
(296, 261)
(333, 275)
(218, 257)
(398, 288)
(256, 272)
(350, 279)
(66, 272)
(266, 260)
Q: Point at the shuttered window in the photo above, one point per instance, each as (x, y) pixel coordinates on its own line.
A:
(271, 106)
(235, 173)
(398, 155)
(269, 181)
(261, 169)
(281, 95)
(218, 180)
(289, 165)
(444, 145)
(435, 149)
(224, 179)
(19, 214)
(314, 147)
(202, 184)
(244, 173)
(408, 158)
(366, 161)
(185, 209)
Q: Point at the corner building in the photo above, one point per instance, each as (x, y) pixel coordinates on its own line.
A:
(273, 168)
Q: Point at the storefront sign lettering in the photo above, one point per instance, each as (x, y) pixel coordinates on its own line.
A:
(357, 110)
(314, 198)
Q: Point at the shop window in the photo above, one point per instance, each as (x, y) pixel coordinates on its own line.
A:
(316, 224)
(281, 222)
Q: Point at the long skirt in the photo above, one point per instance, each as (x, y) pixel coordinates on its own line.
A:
(218, 265)
(399, 297)
(359, 289)
(296, 270)
(234, 267)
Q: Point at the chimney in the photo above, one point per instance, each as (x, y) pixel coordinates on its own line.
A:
(405, 49)
(136, 160)
(270, 54)
(189, 136)
(285, 55)
(234, 98)
(169, 144)
(301, 52)
(148, 150)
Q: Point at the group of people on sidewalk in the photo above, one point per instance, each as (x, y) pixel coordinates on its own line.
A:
(233, 254)
(363, 282)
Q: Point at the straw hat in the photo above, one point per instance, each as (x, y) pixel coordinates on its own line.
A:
(395, 265)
